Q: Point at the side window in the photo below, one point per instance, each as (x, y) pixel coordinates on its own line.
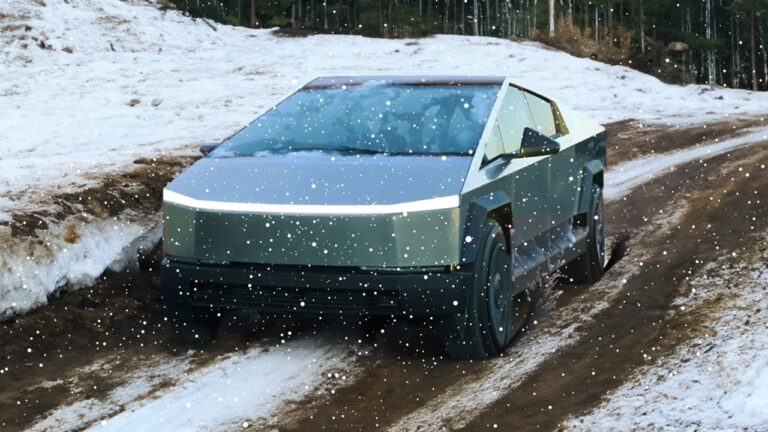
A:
(494, 146)
(543, 115)
(514, 117)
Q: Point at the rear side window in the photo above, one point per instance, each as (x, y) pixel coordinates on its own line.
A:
(543, 115)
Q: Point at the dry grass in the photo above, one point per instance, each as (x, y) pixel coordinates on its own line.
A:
(573, 40)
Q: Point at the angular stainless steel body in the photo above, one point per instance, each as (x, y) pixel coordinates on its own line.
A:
(358, 216)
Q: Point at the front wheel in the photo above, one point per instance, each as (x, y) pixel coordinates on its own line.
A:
(493, 314)
(189, 323)
(193, 324)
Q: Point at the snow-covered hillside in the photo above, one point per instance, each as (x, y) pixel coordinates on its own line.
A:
(87, 86)
(139, 80)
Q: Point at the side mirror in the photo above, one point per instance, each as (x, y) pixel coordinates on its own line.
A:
(207, 148)
(535, 143)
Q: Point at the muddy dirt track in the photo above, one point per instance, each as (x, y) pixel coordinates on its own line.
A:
(85, 343)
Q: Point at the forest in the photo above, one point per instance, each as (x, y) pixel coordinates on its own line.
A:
(718, 42)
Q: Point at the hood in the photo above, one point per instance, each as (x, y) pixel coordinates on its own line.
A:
(319, 178)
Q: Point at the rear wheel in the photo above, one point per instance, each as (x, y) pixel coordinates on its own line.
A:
(493, 314)
(590, 265)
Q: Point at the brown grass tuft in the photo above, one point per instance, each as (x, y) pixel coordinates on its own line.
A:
(71, 235)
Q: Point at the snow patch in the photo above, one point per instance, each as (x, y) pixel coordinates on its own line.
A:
(254, 384)
(141, 383)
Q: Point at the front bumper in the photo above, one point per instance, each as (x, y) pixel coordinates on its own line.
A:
(416, 239)
(317, 290)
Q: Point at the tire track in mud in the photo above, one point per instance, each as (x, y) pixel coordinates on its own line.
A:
(718, 220)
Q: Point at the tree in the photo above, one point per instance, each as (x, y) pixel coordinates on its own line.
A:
(254, 22)
(752, 43)
(642, 28)
(551, 18)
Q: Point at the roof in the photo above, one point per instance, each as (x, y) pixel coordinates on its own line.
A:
(425, 80)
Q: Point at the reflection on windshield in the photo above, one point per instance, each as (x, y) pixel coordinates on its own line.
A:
(370, 118)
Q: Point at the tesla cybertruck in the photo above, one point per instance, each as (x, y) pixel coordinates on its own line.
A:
(447, 198)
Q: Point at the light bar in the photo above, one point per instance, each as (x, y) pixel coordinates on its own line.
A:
(440, 203)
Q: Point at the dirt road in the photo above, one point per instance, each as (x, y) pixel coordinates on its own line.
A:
(92, 354)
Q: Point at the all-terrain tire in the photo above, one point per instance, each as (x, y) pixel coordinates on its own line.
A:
(193, 324)
(189, 323)
(589, 267)
(493, 315)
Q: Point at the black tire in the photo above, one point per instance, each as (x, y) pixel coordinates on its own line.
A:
(189, 323)
(493, 315)
(193, 324)
(589, 267)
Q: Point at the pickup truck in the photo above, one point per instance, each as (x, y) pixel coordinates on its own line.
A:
(447, 198)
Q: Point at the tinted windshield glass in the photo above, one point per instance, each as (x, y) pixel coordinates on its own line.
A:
(370, 118)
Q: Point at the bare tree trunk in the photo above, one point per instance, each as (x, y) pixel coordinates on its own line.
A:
(752, 43)
(765, 55)
(597, 24)
(381, 17)
(642, 28)
(312, 13)
(551, 18)
(735, 56)
(445, 15)
(299, 11)
(475, 20)
(349, 15)
(254, 23)
(609, 21)
(621, 12)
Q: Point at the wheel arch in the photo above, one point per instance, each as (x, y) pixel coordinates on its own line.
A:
(495, 206)
(592, 175)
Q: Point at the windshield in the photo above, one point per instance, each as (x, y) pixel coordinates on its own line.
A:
(370, 118)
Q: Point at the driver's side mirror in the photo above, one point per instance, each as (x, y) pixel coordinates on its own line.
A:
(208, 147)
(535, 143)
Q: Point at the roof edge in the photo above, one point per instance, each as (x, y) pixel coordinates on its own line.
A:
(425, 80)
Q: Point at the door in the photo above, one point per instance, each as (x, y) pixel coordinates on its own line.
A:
(564, 175)
(528, 183)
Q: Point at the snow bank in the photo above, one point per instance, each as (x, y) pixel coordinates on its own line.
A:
(32, 268)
